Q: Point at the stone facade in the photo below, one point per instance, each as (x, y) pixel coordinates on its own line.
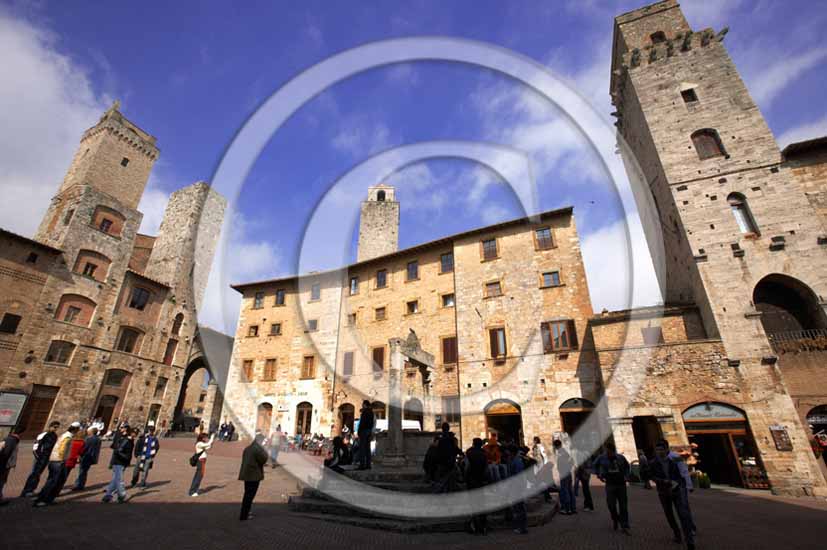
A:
(109, 315)
(378, 223)
(736, 218)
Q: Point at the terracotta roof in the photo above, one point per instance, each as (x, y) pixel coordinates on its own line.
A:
(32, 242)
(150, 279)
(641, 313)
(803, 147)
(416, 248)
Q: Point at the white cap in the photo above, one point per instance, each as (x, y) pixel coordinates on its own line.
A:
(74, 425)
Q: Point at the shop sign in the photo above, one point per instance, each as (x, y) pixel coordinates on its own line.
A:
(713, 411)
(11, 405)
(781, 438)
(817, 419)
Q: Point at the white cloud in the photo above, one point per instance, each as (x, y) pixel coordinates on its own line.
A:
(771, 80)
(810, 130)
(153, 204)
(360, 139)
(46, 102)
(702, 14)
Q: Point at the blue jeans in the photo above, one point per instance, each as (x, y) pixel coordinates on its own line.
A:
(34, 477)
(567, 502)
(83, 471)
(364, 450)
(116, 485)
(197, 477)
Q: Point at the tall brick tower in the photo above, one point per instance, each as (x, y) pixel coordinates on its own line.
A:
(737, 225)
(378, 223)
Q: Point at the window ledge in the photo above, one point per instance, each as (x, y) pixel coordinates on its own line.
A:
(483, 260)
(86, 327)
(118, 237)
(552, 247)
(314, 301)
(553, 286)
(279, 305)
(445, 272)
(54, 364)
(493, 296)
(259, 307)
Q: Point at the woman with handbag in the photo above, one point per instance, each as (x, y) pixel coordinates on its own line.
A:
(199, 460)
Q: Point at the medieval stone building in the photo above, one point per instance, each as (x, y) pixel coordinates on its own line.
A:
(97, 319)
(731, 364)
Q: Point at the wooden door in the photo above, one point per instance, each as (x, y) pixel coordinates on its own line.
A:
(304, 417)
(265, 416)
(37, 410)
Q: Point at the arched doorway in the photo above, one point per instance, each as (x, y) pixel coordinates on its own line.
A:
(413, 411)
(504, 418)
(379, 410)
(726, 449)
(574, 412)
(264, 418)
(304, 418)
(111, 395)
(789, 309)
(817, 420)
(192, 399)
(347, 416)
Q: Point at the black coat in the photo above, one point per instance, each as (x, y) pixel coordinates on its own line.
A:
(45, 446)
(91, 450)
(122, 452)
(252, 463)
(475, 474)
(366, 421)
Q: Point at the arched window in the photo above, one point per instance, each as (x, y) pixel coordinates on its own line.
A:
(658, 37)
(60, 352)
(129, 340)
(176, 324)
(743, 216)
(708, 144)
(75, 309)
(108, 220)
(92, 264)
(380, 196)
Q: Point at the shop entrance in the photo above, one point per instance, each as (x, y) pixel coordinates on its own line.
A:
(504, 418)
(647, 432)
(573, 413)
(304, 418)
(37, 410)
(347, 415)
(726, 449)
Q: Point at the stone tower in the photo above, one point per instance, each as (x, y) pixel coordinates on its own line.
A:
(378, 223)
(732, 215)
(183, 251)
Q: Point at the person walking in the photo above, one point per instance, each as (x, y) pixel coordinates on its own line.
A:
(202, 445)
(613, 469)
(275, 446)
(493, 454)
(8, 458)
(672, 493)
(57, 467)
(42, 449)
(121, 458)
(89, 457)
(582, 475)
(565, 469)
(519, 514)
(643, 466)
(146, 448)
(365, 432)
(543, 471)
(253, 460)
(476, 473)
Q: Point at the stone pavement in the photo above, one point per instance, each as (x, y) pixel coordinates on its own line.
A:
(164, 516)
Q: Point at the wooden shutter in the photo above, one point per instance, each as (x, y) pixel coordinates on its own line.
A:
(347, 369)
(572, 334)
(378, 359)
(449, 350)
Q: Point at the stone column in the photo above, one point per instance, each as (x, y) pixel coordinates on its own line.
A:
(395, 450)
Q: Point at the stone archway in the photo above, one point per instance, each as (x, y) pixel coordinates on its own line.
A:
(413, 411)
(503, 417)
(109, 404)
(790, 311)
(192, 398)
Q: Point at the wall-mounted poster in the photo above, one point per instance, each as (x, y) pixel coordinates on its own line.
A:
(781, 438)
(11, 405)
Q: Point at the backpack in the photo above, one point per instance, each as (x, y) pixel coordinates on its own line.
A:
(194, 459)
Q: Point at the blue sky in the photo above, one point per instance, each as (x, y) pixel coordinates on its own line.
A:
(192, 73)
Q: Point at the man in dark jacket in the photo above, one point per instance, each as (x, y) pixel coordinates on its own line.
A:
(613, 469)
(447, 452)
(8, 458)
(91, 452)
(671, 486)
(252, 472)
(42, 449)
(475, 477)
(366, 423)
(146, 447)
(121, 457)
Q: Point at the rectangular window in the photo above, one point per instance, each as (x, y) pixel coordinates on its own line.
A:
(448, 300)
(551, 278)
(316, 291)
(59, 352)
(275, 329)
(71, 314)
(354, 285)
(115, 378)
(542, 238)
(252, 331)
(378, 359)
(169, 352)
(413, 307)
(160, 387)
(558, 336)
(496, 337)
(449, 350)
(124, 161)
(382, 278)
(450, 408)
(139, 298)
(347, 369)
(128, 340)
(105, 225)
(269, 369)
(280, 297)
(351, 319)
(258, 301)
(247, 370)
(689, 96)
(309, 367)
(10, 323)
(652, 336)
(380, 314)
(493, 289)
(413, 270)
(489, 249)
(312, 325)
(446, 262)
(89, 269)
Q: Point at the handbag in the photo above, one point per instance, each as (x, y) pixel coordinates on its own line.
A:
(194, 458)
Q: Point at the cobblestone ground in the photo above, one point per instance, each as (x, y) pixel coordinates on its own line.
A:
(163, 516)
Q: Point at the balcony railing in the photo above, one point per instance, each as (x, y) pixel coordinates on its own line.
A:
(796, 341)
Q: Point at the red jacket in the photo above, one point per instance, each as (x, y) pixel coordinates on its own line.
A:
(74, 453)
